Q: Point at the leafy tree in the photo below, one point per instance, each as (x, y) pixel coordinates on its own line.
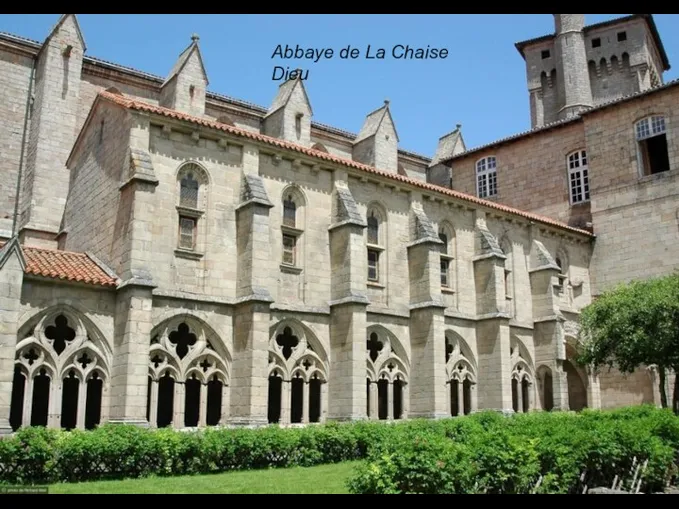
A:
(632, 325)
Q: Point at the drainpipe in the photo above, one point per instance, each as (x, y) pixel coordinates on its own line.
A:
(23, 148)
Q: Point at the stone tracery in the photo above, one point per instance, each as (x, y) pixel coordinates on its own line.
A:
(298, 373)
(188, 375)
(460, 376)
(523, 386)
(61, 372)
(387, 376)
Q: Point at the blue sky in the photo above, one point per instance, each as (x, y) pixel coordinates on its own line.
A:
(481, 84)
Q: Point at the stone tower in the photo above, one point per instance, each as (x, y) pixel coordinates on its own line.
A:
(580, 66)
(52, 132)
(573, 84)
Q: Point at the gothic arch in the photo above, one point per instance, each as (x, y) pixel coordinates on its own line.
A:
(291, 344)
(545, 379)
(522, 376)
(298, 374)
(461, 370)
(59, 352)
(576, 377)
(387, 375)
(391, 350)
(182, 343)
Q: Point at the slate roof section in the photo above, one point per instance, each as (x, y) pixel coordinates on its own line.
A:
(135, 105)
(67, 266)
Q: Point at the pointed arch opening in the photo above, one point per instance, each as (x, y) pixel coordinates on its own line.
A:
(58, 353)
(192, 188)
(376, 242)
(387, 375)
(448, 257)
(522, 377)
(508, 250)
(189, 374)
(298, 375)
(293, 221)
(461, 372)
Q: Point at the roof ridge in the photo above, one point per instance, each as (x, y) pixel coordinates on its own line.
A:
(34, 248)
(142, 106)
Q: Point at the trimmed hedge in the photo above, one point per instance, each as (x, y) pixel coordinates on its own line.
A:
(485, 452)
(538, 452)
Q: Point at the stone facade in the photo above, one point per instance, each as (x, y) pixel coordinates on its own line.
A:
(195, 260)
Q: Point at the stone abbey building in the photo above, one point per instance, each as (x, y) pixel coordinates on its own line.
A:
(175, 257)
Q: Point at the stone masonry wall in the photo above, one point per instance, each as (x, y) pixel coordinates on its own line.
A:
(95, 217)
(15, 72)
(532, 173)
(628, 210)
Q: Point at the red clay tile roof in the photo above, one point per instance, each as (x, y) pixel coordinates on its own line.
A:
(65, 265)
(136, 105)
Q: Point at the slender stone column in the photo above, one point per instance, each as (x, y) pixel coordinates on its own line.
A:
(153, 411)
(82, 403)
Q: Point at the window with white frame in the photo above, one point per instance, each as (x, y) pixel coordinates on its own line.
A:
(578, 177)
(486, 177)
(651, 135)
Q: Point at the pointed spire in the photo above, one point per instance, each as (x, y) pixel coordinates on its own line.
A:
(60, 23)
(374, 121)
(377, 142)
(449, 145)
(289, 117)
(185, 87)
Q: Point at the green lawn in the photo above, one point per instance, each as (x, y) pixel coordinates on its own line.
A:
(324, 479)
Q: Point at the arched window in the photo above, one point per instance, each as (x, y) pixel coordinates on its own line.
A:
(188, 375)
(447, 257)
(375, 244)
(578, 177)
(460, 376)
(298, 372)
(486, 177)
(387, 376)
(651, 134)
(61, 373)
(506, 247)
(292, 226)
(192, 181)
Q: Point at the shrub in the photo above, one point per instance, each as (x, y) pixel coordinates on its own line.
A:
(485, 452)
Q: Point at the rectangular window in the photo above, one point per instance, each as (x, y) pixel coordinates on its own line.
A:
(578, 177)
(596, 42)
(373, 265)
(545, 54)
(652, 137)
(487, 184)
(187, 232)
(445, 270)
(486, 177)
(289, 247)
(622, 36)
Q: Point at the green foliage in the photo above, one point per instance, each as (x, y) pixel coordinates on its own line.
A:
(634, 324)
(483, 453)
(498, 454)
